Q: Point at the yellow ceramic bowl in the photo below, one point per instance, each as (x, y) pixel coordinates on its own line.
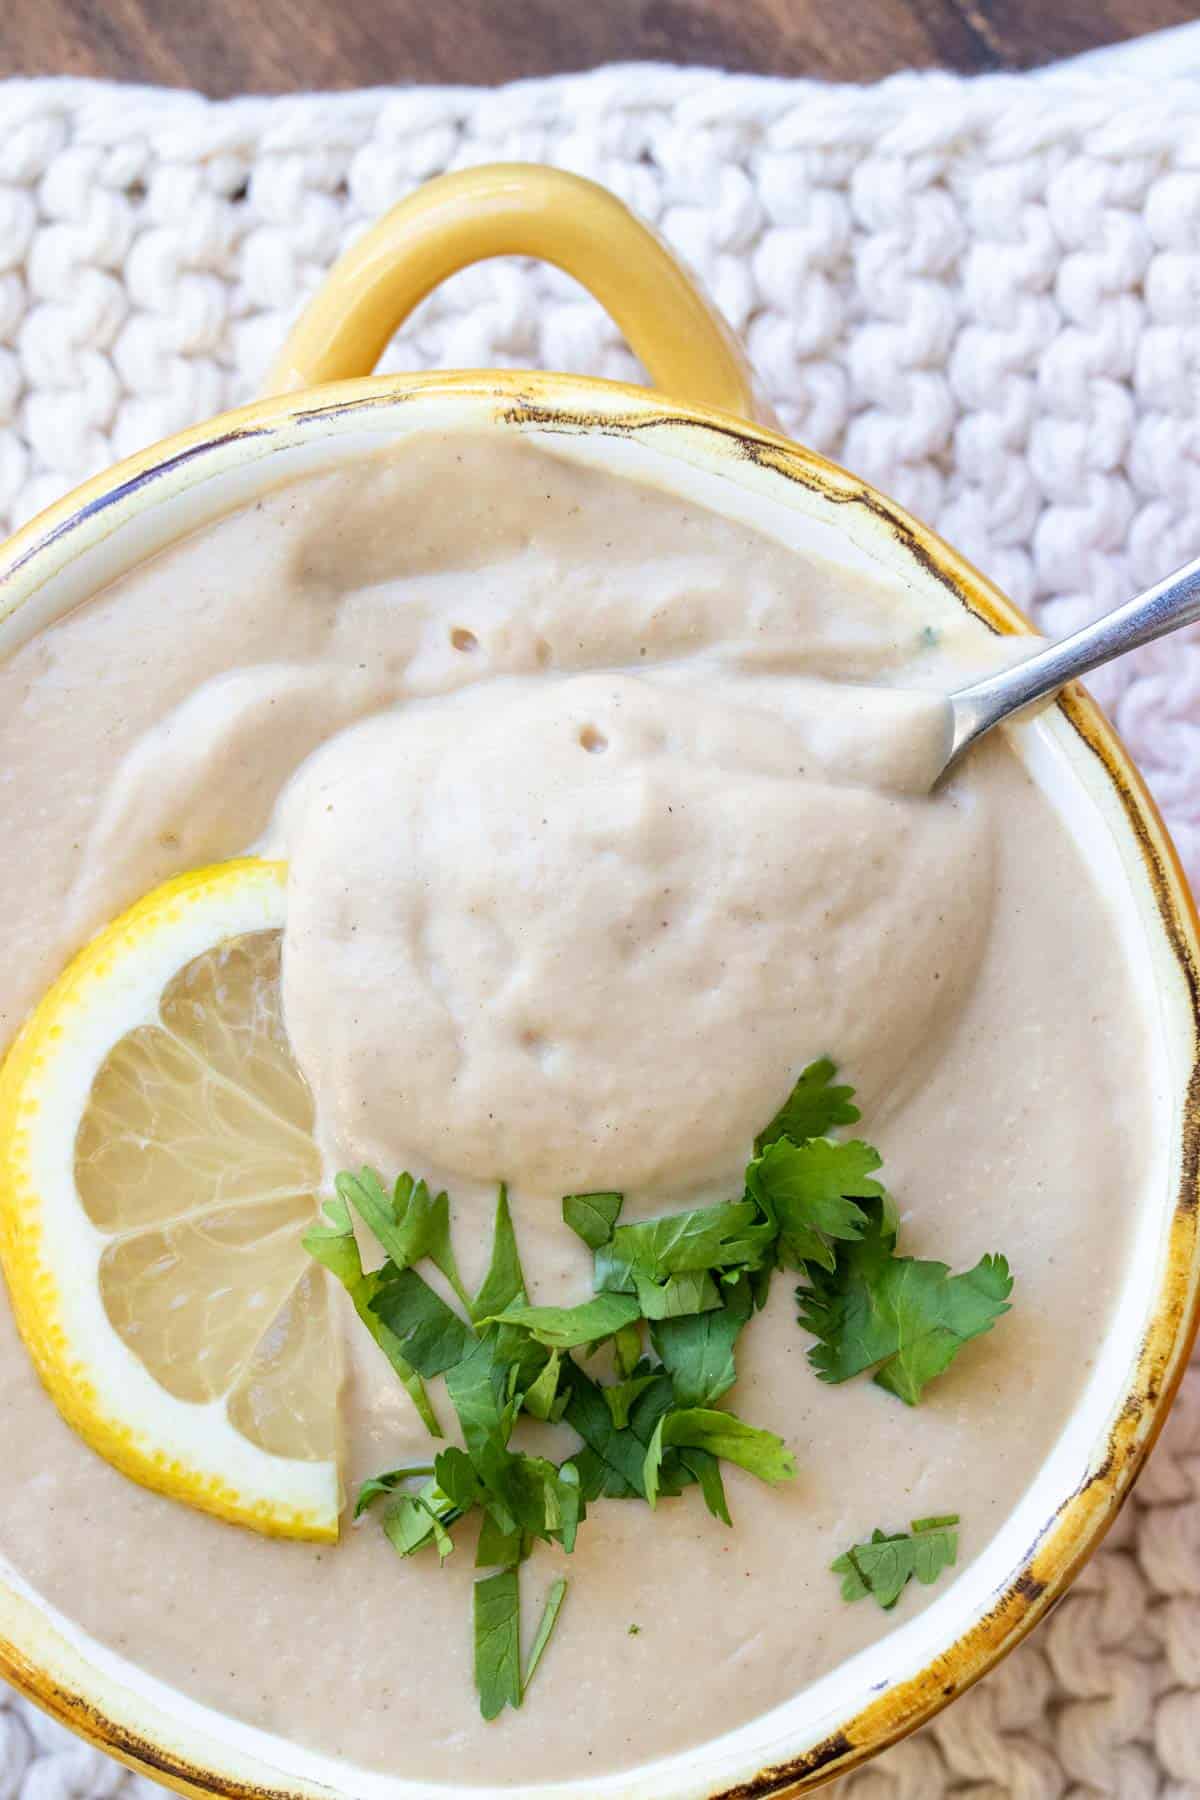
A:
(695, 438)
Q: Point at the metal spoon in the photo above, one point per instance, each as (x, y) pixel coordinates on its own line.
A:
(975, 709)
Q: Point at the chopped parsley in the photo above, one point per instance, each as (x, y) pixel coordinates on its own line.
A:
(670, 1299)
(497, 1607)
(812, 1109)
(906, 1319)
(884, 1567)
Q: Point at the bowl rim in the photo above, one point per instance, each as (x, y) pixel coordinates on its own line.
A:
(575, 404)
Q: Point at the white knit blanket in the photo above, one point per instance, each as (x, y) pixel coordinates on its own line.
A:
(984, 296)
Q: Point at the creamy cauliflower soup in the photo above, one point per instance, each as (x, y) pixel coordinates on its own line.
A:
(604, 818)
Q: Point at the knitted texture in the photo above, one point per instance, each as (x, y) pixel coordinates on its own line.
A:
(983, 296)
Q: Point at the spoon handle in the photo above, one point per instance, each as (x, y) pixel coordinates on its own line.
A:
(1149, 615)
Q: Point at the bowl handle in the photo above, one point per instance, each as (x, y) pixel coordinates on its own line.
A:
(517, 209)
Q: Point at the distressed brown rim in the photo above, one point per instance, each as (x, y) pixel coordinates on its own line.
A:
(574, 405)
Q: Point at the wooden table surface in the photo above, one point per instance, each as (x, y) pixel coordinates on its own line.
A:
(267, 46)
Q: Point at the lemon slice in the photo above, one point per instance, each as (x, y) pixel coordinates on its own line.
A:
(157, 1172)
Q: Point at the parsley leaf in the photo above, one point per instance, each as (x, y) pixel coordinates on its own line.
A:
(691, 1291)
(544, 1497)
(549, 1620)
(619, 1396)
(812, 1108)
(904, 1318)
(542, 1399)
(721, 1434)
(386, 1484)
(567, 1327)
(707, 1471)
(731, 1235)
(333, 1245)
(411, 1521)
(697, 1350)
(497, 1610)
(457, 1478)
(496, 1548)
(592, 1216)
(811, 1193)
(504, 1283)
(478, 1393)
(430, 1334)
(884, 1566)
(411, 1223)
(572, 1504)
(627, 1349)
(617, 1455)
